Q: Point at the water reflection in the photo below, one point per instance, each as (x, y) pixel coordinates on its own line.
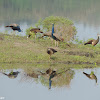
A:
(61, 78)
(91, 76)
(12, 74)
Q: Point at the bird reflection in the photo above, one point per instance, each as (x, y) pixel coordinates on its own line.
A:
(12, 75)
(53, 74)
(91, 75)
(33, 75)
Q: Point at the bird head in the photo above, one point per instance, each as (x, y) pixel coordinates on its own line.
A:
(48, 49)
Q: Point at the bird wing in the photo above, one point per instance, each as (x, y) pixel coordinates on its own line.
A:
(34, 29)
(58, 37)
(94, 77)
(15, 25)
(53, 50)
(89, 42)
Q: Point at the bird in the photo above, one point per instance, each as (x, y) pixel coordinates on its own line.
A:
(33, 75)
(12, 74)
(53, 36)
(51, 51)
(56, 37)
(49, 71)
(91, 75)
(34, 30)
(93, 41)
(52, 75)
(48, 34)
(15, 27)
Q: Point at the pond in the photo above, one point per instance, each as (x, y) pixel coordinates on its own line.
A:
(67, 82)
(84, 14)
(72, 84)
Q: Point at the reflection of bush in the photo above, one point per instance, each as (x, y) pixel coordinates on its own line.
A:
(61, 79)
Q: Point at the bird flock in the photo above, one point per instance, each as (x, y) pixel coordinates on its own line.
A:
(50, 51)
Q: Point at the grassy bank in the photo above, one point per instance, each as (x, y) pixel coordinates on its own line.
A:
(16, 49)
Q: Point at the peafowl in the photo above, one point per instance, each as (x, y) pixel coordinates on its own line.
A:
(34, 30)
(51, 51)
(93, 42)
(15, 27)
(52, 75)
(91, 76)
(54, 37)
(12, 74)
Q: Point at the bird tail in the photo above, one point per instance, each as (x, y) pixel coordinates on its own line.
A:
(41, 32)
(86, 74)
(5, 74)
(85, 43)
(7, 26)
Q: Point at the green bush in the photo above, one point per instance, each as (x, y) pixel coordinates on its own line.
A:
(63, 26)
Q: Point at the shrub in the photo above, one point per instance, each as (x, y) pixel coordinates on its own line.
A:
(63, 26)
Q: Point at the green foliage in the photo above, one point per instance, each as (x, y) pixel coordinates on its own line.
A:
(30, 33)
(63, 26)
(78, 41)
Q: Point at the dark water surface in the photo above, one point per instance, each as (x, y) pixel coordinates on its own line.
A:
(24, 87)
(84, 13)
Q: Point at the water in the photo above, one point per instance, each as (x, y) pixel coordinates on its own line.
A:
(84, 14)
(24, 88)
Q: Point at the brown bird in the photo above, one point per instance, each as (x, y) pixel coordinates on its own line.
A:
(15, 27)
(93, 42)
(91, 76)
(34, 30)
(49, 71)
(51, 51)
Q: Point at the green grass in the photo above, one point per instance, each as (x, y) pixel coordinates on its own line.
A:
(16, 49)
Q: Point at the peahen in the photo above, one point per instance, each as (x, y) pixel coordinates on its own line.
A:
(51, 51)
(15, 27)
(34, 30)
(93, 41)
(12, 74)
(91, 76)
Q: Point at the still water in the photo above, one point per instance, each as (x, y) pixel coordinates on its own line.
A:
(74, 86)
(24, 87)
(84, 13)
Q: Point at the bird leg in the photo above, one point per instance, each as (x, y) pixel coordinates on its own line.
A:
(51, 40)
(35, 36)
(55, 42)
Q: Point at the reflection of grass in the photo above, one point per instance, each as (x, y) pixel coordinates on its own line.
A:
(16, 49)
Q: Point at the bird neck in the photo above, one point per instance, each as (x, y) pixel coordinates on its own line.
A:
(52, 29)
(98, 39)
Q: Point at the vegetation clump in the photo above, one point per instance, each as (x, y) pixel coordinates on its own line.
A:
(63, 26)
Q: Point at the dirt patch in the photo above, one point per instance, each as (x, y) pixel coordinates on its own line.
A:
(87, 54)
